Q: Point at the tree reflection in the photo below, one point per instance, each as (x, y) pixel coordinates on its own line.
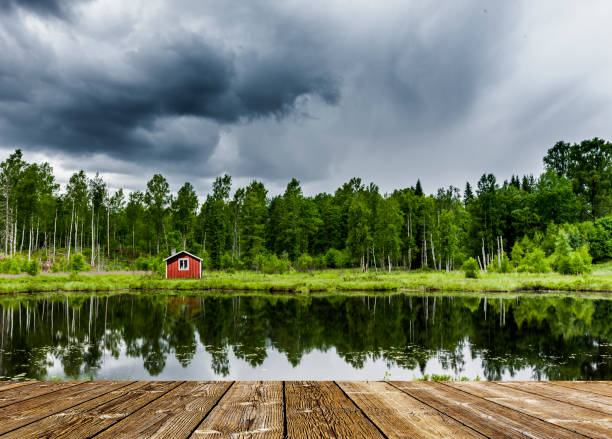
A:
(557, 337)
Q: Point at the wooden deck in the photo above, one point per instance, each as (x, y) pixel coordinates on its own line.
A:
(301, 409)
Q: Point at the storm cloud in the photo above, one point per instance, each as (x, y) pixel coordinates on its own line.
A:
(57, 8)
(388, 91)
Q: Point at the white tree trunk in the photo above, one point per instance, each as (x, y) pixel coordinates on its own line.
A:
(54, 232)
(93, 247)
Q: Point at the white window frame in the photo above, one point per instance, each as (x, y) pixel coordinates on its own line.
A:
(187, 264)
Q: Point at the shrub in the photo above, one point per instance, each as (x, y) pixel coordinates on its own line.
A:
(535, 262)
(32, 268)
(270, 264)
(517, 253)
(227, 261)
(305, 262)
(505, 267)
(55, 268)
(77, 263)
(471, 268)
(575, 262)
(10, 266)
(334, 258)
(206, 261)
(143, 263)
(230, 262)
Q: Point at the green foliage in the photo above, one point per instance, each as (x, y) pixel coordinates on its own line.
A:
(32, 267)
(77, 263)
(144, 263)
(10, 266)
(505, 266)
(567, 260)
(471, 268)
(435, 377)
(229, 261)
(206, 261)
(269, 264)
(535, 261)
(355, 226)
(334, 259)
(305, 262)
(599, 237)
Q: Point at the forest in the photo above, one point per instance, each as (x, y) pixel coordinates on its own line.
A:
(558, 221)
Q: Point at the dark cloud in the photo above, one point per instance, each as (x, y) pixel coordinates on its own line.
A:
(323, 91)
(94, 109)
(57, 8)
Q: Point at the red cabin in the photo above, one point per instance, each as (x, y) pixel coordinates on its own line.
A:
(183, 265)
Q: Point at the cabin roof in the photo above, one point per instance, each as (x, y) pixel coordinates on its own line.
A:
(181, 252)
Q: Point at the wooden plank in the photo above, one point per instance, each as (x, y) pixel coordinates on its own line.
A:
(578, 419)
(248, 409)
(46, 425)
(486, 417)
(33, 409)
(587, 400)
(174, 416)
(399, 415)
(81, 424)
(6, 385)
(599, 387)
(319, 409)
(22, 393)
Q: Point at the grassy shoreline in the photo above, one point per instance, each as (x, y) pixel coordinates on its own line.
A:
(600, 280)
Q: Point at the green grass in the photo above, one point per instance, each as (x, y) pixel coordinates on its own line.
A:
(600, 280)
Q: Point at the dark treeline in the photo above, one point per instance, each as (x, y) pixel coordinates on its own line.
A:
(526, 218)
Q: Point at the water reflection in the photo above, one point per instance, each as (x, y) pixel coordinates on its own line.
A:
(208, 336)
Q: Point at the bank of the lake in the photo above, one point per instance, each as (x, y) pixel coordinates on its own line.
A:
(599, 280)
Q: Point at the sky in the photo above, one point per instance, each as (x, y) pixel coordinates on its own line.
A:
(388, 91)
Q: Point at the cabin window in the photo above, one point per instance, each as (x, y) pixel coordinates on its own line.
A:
(183, 264)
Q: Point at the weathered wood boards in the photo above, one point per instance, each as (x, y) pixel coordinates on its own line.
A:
(319, 409)
(305, 409)
(400, 415)
(248, 409)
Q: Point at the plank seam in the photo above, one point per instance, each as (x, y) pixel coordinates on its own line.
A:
(436, 409)
(136, 411)
(68, 408)
(8, 386)
(42, 394)
(361, 410)
(591, 391)
(211, 409)
(515, 410)
(285, 434)
(550, 397)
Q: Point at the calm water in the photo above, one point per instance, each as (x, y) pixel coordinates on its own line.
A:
(209, 336)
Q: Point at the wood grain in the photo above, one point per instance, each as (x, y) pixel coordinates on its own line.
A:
(250, 409)
(33, 409)
(46, 426)
(593, 401)
(201, 409)
(599, 387)
(578, 419)
(399, 415)
(488, 418)
(174, 416)
(83, 424)
(6, 385)
(319, 409)
(22, 393)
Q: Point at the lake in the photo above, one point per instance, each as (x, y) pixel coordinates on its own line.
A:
(179, 336)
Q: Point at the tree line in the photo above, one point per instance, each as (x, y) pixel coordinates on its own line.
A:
(567, 207)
